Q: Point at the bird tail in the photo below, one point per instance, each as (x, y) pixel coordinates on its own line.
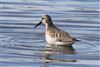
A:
(76, 39)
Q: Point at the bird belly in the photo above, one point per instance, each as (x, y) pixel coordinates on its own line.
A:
(64, 43)
(50, 40)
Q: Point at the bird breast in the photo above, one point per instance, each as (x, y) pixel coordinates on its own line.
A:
(50, 39)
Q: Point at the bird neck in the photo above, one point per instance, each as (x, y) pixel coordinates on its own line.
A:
(49, 25)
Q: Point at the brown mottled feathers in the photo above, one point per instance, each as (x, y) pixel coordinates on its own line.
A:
(61, 35)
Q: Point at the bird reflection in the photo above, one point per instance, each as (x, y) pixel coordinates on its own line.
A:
(51, 50)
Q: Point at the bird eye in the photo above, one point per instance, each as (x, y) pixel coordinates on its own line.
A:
(42, 18)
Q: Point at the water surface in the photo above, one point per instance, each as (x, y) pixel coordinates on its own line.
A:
(23, 46)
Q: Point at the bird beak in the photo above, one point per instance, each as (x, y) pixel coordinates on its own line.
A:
(38, 24)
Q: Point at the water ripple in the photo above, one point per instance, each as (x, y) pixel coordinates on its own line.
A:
(23, 46)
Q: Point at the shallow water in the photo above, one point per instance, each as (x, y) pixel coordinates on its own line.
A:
(23, 46)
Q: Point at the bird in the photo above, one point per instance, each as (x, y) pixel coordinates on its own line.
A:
(54, 35)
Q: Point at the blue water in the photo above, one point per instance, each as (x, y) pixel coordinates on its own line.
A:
(23, 46)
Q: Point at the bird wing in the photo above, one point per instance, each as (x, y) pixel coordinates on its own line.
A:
(60, 35)
(63, 36)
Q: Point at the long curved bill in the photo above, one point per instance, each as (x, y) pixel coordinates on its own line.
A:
(38, 24)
